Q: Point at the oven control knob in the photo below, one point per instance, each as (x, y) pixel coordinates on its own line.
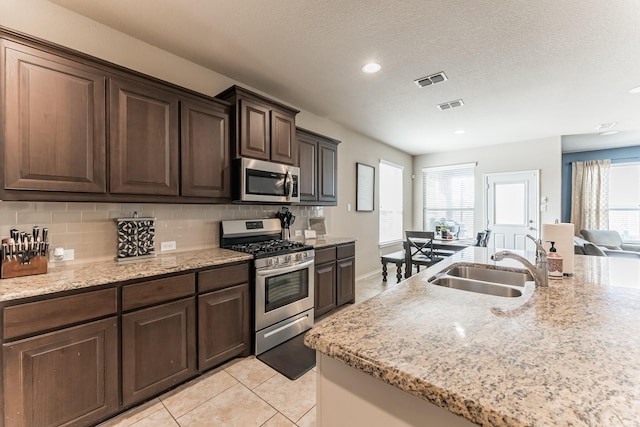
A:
(288, 258)
(270, 262)
(298, 257)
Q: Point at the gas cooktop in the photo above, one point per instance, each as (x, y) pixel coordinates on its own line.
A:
(258, 237)
(270, 247)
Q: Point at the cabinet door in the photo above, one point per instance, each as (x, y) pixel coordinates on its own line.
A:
(224, 330)
(308, 160)
(346, 275)
(158, 349)
(328, 172)
(54, 131)
(325, 288)
(283, 138)
(205, 150)
(254, 130)
(66, 377)
(143, 139)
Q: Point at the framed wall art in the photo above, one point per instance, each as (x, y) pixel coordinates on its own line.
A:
(365, 185)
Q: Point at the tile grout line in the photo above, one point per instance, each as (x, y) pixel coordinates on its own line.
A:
(199, 405)
(169, 412)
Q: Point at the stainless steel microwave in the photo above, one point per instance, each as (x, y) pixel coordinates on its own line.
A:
(262, 181)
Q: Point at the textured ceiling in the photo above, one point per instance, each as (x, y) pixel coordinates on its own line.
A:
(525, 69)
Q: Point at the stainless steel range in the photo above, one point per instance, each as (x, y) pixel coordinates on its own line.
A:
(283, 279)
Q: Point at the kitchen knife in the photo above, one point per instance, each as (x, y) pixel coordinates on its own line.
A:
(5, 251)
(45, 237)
(36, 232)
(12, 247)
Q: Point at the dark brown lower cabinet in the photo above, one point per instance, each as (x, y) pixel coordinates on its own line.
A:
(325, 288)
(158, 349)
(67, 377)
(224, 330)
(335, 277)
(345, 286)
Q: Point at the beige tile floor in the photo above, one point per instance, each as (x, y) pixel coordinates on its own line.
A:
(243, 392)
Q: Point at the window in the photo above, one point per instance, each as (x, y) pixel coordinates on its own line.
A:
(624, 200)
(449, 196)
(391, 209)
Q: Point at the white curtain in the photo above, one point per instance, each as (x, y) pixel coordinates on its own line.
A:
(590, 195)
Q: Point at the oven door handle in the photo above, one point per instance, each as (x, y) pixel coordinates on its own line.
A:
(271, 271)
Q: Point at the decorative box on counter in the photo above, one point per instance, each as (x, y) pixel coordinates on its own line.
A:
(24, 254)
(135, 238)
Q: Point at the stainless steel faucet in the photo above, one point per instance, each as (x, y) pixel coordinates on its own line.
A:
(540, 271)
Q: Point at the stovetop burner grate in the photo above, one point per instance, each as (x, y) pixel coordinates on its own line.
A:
(270, 247)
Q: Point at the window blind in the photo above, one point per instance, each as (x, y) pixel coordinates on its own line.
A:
(448, 194)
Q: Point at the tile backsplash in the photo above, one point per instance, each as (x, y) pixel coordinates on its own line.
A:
(90, 228)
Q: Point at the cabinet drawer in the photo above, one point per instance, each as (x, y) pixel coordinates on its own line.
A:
(48, 314)
(155, 291)
(346, 251)
(325, 255)
(223, 277)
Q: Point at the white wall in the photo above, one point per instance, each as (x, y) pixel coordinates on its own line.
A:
(45, 20)
(543, 154)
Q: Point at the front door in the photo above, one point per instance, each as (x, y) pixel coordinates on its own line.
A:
(512, 209)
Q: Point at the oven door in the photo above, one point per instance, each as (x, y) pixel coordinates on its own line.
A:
(283, 292)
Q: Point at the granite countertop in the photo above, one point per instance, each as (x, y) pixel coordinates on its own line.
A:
(568, 354)
(325, 241)
(80, 276)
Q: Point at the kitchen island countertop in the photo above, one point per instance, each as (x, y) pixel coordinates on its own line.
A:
(568, 354)
(80, 276)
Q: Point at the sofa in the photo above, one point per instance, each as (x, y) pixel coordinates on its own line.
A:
(604, 243)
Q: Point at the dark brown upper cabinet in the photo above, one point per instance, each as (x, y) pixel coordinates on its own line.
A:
(206, 170)
(54, 133)
(143, 139)
(76, 128)
(318, 168)
(261, 128)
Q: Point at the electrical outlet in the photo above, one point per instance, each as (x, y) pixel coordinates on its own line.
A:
(168, 246)
(298, 233)
(69, 255)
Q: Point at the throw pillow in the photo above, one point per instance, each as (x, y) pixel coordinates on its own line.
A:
(591, 249)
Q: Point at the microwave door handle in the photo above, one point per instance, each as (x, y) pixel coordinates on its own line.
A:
(288, 188)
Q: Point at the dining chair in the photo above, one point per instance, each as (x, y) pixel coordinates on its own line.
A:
(419, 250)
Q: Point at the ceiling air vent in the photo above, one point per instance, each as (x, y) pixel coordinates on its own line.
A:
(432, 79)
(451, 104)
(604, 126)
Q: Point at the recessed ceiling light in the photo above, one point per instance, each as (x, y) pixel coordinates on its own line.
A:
(635, 90)
(371, 68)
(609, 132)
(459, 132)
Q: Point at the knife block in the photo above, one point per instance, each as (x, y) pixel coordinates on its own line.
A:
(16, 268)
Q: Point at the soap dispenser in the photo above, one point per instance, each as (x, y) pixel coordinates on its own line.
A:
(554, 261)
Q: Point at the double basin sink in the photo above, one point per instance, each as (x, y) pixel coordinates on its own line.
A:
(490, 280)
